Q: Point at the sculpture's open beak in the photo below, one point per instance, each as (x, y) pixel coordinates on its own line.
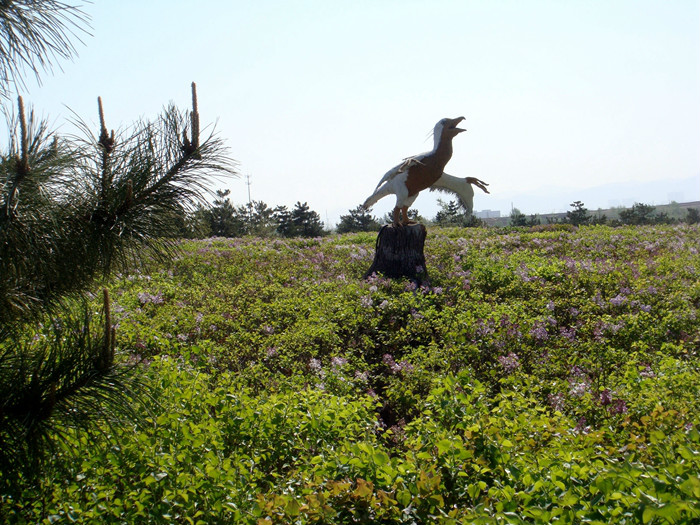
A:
(453, 124)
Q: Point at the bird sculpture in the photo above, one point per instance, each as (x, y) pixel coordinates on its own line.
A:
(423, 171)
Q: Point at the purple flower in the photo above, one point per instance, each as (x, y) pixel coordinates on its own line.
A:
(605, 397)
(618, 407)
(568, 333)
(646, 372)
(556, 401)
(404, 366)
(388, 360)
(361, 253)
(582, 427)
(314, 364)
(337, 362)
(366, 301)
(361, 376)
(509, 362)
(579, 386)
(539, 331)
(577, 371)
(145, 298)
(618, 300)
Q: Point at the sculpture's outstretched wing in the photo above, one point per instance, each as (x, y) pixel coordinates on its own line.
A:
(460, 188)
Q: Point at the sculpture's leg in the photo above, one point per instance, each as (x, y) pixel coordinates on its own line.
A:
(406, 221)
(397, 220)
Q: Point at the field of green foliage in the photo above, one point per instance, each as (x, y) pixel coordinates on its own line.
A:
(546, 375)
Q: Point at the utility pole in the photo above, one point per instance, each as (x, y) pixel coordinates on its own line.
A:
(248, 183)
(250, 202)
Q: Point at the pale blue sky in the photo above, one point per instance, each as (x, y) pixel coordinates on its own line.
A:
(318, 99)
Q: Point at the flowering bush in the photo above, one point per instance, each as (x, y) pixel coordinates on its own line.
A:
(544, 375)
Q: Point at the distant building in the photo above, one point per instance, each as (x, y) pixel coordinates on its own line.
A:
(487, 214)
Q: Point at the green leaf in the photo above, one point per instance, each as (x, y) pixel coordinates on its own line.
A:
(403, 497)
(292, 508)
(443, 446)
(380, 458)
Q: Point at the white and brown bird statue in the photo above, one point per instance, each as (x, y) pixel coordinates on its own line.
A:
(423, 171)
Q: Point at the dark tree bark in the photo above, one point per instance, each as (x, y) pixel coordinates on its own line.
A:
(399, 253)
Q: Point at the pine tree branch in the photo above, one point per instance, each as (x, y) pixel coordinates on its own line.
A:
(65, 378)
(33, 34)
(21, 162)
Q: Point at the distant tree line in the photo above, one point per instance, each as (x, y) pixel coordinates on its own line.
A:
(638, 214)
(222, 218)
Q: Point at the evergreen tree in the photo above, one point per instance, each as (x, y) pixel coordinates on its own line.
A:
(517, 218)
(534, 220)
(283, 218)
(260, 219)
(579, 215)
(449, 214)
(638, 214)
(225, 220)
(452, 214)
(300, 222)
(358, 220)
(72, 212)
(306, 221)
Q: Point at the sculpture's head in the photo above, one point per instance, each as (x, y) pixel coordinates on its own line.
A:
(447, 128)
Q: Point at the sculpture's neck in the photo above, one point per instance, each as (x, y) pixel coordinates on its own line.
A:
(443, 150)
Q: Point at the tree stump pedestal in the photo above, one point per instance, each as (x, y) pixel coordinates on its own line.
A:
(399, 253)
